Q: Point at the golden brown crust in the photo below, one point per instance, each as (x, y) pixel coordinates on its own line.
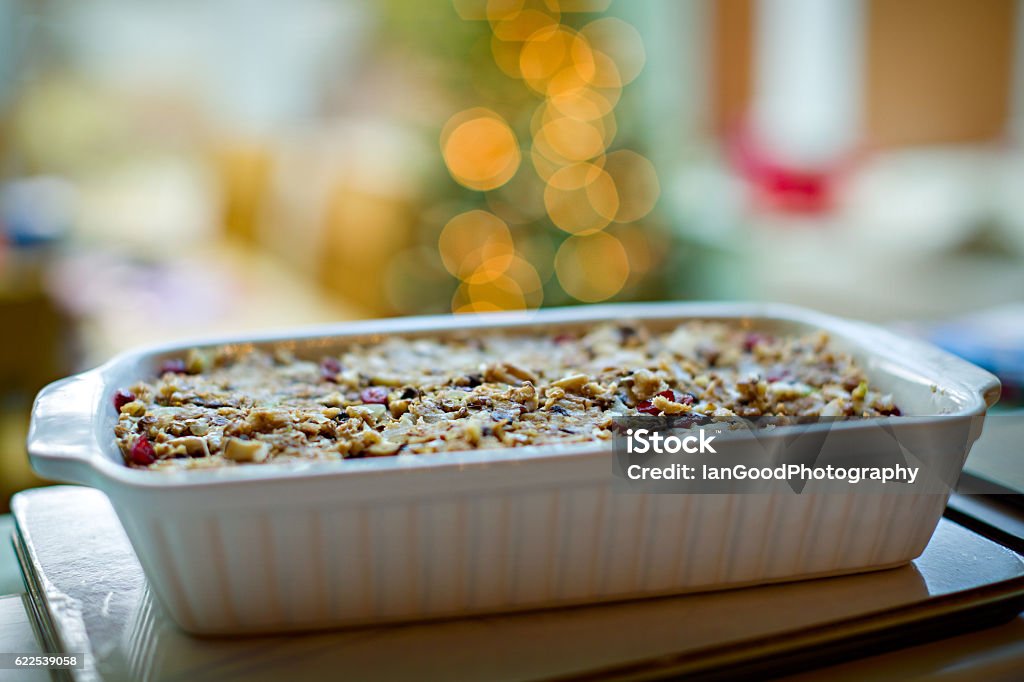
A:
(418, 396)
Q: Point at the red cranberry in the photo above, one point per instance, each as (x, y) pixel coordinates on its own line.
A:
(374, 395)
(753, 339)
(174, 366)
(142, 452)
(330, 368)
(681, 398)
(122, 398)
(563, 338)
(647, 407)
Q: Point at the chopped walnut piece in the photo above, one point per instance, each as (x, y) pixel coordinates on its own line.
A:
(135, 408)
(370, 414)
(239, 450)
(646, 384)
(268, 420)
(509, 373)
(572, 383)
(669, 406)
(383, 448)
(525, 395)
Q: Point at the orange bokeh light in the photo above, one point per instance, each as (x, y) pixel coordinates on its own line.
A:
(581, 198)
(570, 139)
(518, 288)
(475, 242)
(618, 51)
(566, 139)
(586, 188)
(583, 103)
(480, 149)
(592, 268)
(636, 182)
(645, 246)
(569, 84)
(551, 50)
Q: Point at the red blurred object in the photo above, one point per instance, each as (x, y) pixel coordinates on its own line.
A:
(780, 186)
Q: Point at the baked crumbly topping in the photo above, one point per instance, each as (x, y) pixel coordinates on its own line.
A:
(492, 390)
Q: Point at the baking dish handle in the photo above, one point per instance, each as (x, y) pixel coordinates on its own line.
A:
(62, 435)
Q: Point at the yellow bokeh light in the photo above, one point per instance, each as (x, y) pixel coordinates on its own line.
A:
(494, 264)
(583, 103)
(518, 288)
(547, 112)
(551, 50)
(474, 242)
(574, 176)
(480, 149)
(605, 73)
(501, 294)
(581, 198)
(528, 279)
(640, 248)
(567, 139)
(570, 139)
(592, 268)
(580, 74)
(569, 83)
(618, 51)
(636, 182)
(581, 57)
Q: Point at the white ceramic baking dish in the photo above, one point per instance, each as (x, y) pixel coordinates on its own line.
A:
(287, 547)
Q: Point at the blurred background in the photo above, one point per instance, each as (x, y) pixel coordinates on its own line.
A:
(176, 168)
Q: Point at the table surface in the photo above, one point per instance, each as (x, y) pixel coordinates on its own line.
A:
(133, 637)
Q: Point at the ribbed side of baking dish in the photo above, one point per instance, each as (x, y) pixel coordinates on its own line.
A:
(384, 561)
